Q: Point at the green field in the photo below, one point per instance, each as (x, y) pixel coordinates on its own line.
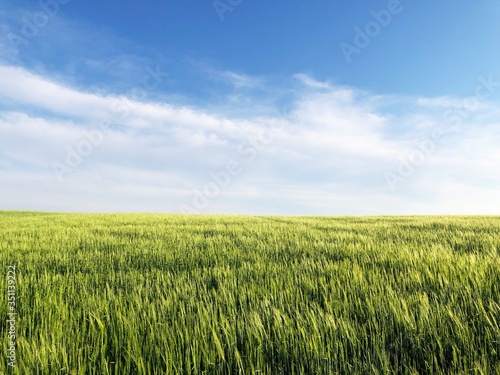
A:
(171, 294)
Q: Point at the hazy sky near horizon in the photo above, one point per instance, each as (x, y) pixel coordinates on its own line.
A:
(250, 107)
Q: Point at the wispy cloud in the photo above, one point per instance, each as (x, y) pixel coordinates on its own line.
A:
(235, 80)
(310, 82)
(329, 158)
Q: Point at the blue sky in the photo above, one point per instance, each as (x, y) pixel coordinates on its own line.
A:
(250, 107)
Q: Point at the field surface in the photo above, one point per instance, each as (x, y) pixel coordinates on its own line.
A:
(172, 294)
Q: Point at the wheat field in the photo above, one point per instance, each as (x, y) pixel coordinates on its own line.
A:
(180, 294)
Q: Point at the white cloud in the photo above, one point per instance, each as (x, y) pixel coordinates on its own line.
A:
(239, 80)
(234, 79)
(310, 82)
(328, 158)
